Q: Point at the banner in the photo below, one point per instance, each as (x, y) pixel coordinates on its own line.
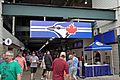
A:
(48, 29)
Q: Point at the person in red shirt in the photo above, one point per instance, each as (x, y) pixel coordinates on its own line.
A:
(59, 65)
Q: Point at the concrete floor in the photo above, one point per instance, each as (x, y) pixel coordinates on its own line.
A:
(26, 76)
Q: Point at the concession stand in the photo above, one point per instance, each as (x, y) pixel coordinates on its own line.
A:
(99, 69)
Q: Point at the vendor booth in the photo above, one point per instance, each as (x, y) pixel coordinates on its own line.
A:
(98, 69)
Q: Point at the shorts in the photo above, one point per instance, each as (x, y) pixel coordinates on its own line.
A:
(48, 67)
(28, 63)
(33, 69)
(73, 71)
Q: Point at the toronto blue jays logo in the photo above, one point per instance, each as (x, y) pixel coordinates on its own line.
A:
(48, 29)
(61, 31)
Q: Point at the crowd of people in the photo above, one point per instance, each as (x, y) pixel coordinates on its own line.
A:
(59, 67)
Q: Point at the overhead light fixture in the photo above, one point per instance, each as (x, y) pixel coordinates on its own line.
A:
(47, 43)
(82, 20)
(52, 38)
(42, 47)
(2, 1)
(86, 2)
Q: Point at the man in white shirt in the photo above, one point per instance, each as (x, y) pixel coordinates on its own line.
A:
(34, 60)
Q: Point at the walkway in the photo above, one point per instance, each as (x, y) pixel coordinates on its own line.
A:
(26, 76)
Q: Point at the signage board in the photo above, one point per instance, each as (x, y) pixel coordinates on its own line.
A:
(48, 29)
(107, 37)
(8, 41)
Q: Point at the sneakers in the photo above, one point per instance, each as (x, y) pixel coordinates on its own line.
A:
(42, 78)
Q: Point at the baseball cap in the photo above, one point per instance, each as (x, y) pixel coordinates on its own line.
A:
(9, 53)
(62, 54)
(70, 56)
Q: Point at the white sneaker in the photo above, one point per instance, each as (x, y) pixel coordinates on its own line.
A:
(42, 78)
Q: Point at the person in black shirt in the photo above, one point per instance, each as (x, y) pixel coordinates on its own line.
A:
(48, 63)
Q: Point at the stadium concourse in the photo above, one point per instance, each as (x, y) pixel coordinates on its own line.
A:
(26, 76)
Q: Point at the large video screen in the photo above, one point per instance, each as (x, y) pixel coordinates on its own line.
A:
(48, 29)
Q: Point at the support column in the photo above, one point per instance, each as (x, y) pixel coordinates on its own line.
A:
(119, 52)
(13, 23)
(44, 18)
(13, 26)
(1, 27)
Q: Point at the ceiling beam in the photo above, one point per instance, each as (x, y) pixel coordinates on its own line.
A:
(22, 28)
(52, 11)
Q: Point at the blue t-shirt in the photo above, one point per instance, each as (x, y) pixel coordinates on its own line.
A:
(75, 62)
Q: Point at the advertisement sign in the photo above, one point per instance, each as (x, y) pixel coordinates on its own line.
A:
(107, 37)
(48, 29)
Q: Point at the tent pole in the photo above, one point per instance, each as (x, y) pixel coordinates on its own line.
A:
(83, 62)
(112, 62)
(92, 64)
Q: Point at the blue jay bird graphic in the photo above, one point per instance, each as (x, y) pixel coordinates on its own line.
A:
(59, 30)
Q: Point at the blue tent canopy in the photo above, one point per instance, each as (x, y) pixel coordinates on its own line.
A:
(97, 46)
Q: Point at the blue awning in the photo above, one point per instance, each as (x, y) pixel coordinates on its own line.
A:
(97, 46)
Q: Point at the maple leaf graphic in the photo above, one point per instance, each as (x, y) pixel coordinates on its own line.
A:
(71, 29)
